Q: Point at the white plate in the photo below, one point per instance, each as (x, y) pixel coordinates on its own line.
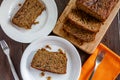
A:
(73, 59)
(47, 21)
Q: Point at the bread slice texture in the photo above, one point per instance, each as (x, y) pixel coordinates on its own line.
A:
(99, 9)
(55, 62)
(71, 37)
(79, 33)
(83, 20)
(28, 13)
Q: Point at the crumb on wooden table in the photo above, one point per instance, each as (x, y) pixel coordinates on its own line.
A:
(48, 46)
(42, 74)
(49, 78)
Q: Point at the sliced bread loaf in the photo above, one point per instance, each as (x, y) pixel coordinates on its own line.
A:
(79, 33)
(83, 20)
(99, 9)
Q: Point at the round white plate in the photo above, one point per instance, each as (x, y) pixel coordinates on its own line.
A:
(73, 59)
(47, 21)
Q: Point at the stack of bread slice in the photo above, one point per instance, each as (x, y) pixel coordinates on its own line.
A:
(81, 24)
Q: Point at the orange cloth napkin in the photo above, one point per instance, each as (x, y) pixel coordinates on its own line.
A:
(108, 69)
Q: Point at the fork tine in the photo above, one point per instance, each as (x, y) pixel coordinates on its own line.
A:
(101, 55)
(3, 44)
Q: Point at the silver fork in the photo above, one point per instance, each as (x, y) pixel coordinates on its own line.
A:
(98, 60)
(6, 50)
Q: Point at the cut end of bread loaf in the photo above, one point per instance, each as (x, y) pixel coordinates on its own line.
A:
(100, 9)
(55, 62)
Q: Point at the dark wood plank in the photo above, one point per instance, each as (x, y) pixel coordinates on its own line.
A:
(61, 4)
(5, 71)
(16, 54)
(111, 39)
(16, 51)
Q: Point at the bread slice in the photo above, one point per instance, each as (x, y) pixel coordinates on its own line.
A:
(99, 9)
(83, 20)
(71, 37)
(79, 33)
(55, 62)
(28, 13)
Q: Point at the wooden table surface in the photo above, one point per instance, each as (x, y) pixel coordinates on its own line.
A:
(111, 40)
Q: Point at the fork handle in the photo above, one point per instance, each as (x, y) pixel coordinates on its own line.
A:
(92, 75)
(12, 68)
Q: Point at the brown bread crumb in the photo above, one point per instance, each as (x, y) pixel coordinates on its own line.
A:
(60, 50)
(49, 78)
(42, 74)
(48, 46)
(19, 4)
(36, 22)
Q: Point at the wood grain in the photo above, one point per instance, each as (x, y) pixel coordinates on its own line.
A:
(111, 39)
(87, 47)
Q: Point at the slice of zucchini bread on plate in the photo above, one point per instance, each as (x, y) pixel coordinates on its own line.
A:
(28, 13)
(55, 62)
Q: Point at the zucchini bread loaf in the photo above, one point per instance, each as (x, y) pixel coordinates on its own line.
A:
(100, 9)
(55, 62)
(28, 13)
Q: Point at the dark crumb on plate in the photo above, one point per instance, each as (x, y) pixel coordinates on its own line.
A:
(36, 22)
(49, 78)
(48, 46)
(19, 4)
(42, 74)
(60, 50)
